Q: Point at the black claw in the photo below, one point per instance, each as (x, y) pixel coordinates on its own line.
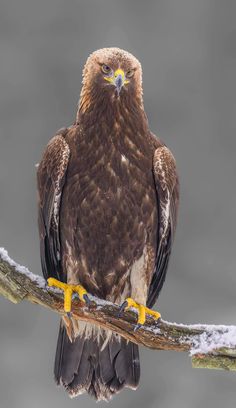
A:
(87, 300)
(122, 308)
(137, 327)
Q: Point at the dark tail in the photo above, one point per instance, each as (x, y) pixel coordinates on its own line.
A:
(90, 365)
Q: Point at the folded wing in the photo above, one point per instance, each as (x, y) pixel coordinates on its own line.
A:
(51, 177)
(167, 187)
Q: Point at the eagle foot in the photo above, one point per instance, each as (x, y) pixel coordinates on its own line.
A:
(68, 292)
(141, 309)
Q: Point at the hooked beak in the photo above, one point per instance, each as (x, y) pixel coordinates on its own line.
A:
(119, 82)
(118, 79)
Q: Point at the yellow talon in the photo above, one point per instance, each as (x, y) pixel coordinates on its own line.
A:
(68, 292)
(142, 310)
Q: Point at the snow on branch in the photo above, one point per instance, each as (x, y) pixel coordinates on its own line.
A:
(210, 346)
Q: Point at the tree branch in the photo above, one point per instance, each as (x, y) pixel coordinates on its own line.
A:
(210, 346)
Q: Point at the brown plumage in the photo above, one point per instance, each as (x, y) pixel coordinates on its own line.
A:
(108, 200)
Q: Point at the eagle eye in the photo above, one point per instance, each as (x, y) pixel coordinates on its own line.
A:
(129, 73)
(106, 69)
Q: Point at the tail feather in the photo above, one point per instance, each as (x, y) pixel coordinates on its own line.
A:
(90, 365)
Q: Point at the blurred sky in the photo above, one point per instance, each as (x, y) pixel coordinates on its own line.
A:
(188, 52)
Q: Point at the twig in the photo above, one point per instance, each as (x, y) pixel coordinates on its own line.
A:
(211, 346)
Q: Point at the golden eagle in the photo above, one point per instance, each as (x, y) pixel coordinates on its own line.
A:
(108, 200)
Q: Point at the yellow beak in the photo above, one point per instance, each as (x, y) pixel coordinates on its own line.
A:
(118, 79)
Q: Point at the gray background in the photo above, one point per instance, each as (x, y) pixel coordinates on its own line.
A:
(187, 49)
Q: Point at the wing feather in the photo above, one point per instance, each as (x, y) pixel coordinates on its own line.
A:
(167, 187)
(51, 175)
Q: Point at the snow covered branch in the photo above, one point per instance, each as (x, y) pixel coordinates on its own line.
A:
(210, 346)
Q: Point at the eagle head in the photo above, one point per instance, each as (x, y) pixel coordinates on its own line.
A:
(112, 74)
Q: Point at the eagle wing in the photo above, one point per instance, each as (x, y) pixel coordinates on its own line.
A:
(51, 175)
(167, 187)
